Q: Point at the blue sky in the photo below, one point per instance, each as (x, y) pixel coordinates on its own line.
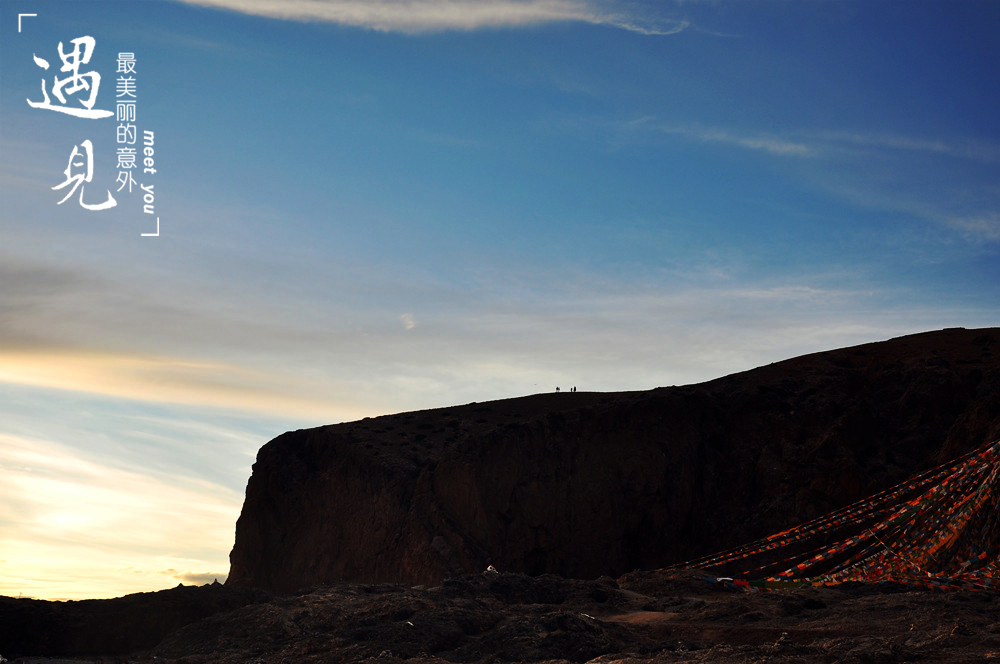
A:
(373, 207)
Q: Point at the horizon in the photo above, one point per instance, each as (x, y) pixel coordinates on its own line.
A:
(357, 209)
(202, 580)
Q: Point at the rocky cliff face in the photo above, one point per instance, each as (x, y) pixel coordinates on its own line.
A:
(584, 484)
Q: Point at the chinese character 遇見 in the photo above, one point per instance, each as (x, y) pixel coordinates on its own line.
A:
(73, 83)
(88, 148)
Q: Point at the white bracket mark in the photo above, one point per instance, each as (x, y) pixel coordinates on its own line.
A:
(19, 20)
(157, 233)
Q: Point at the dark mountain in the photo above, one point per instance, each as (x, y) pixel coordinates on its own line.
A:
(586, 484)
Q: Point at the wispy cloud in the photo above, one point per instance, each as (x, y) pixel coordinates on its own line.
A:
(416, 16)
(964, 149)
(814, 143)
(178, 380)
(72, 526)
(329, 369)
(985, 226)
(976, 221)
(75, 329)
(768, 143)
(870, 169)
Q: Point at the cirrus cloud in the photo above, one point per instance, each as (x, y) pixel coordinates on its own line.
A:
(416, 16)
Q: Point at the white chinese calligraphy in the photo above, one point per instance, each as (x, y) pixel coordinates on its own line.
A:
(73, 83)
(79, 178)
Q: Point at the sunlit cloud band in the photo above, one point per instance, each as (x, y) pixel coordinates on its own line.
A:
(438, 15)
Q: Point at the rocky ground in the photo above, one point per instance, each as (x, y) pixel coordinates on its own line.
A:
(641, 617)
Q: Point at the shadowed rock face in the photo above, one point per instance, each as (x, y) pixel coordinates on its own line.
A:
(585, 484)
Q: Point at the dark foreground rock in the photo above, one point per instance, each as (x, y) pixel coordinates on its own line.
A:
(110, 626)
(584, 484)
(642, 617)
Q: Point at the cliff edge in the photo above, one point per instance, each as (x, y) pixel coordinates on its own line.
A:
(589, 484)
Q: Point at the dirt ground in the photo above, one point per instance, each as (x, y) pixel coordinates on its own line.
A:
(642, 617)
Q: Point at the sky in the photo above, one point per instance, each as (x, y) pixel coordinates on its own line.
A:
(360, 208)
